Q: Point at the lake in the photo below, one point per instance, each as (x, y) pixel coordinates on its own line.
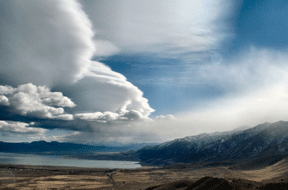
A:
(44, 160)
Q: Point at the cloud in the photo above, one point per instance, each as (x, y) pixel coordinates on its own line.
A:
(248, 71)
(110, 116)
(46, 49)
(71, 137)
(105, 48)
(64, 117)
(6, 89)
(41, 40)
(105, 90)
(10, 127)
(40, 102)
(263, 105)
(4, 100)
(256, 91)
(51, 43)
(132, 115)
(122, 132)
(123, 127)
(171, 27)
(167, 117)
(255, 85)
(98, 116)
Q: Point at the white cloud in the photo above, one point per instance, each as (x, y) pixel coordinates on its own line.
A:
(132, 115)
(4, 100)
(246, 72)
(31, 100)
(108, 116)
(41, 40)
(105, 48)
(98, 116)
(51, 43)
(10, 127)
(105, 90)
(6, 89)
(169, 27)
(167, 117)
(64, 117)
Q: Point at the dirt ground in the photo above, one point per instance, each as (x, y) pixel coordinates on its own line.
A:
(37, 177)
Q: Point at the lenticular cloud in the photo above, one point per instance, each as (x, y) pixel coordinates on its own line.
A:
(51, 43)
(186, 26)
(44, 42)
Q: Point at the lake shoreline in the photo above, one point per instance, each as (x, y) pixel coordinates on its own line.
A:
(64, 161)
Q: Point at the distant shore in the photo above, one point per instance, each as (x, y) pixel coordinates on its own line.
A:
(66, 161)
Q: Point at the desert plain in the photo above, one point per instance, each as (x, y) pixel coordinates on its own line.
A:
(177, 177)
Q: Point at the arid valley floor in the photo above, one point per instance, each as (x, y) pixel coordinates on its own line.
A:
(182, 177)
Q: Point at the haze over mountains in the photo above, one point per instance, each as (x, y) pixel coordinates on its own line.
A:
(265, 143)
(267, 140)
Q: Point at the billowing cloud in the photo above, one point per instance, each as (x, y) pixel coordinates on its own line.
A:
(171, 27)
(10, 127)
(51, 43)
(105, 90)
(30, 100)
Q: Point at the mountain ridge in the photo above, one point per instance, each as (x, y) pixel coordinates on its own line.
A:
(263, 140)
(68, 148)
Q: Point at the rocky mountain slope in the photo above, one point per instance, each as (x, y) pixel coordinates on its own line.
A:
(264, 140)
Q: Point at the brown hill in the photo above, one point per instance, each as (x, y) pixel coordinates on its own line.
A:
(212, 183)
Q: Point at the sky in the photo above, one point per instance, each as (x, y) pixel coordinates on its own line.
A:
(132, 71)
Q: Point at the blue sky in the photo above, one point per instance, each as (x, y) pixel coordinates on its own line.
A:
(140, 71)
(165, 96)
(261, 23)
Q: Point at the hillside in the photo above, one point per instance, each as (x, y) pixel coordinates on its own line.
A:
(266, 140)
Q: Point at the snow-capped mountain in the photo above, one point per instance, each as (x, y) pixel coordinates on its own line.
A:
(267, 139)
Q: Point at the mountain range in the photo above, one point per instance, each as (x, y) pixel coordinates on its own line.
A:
(263, 144)
(43, 147)
(66, 148)
(267, 141)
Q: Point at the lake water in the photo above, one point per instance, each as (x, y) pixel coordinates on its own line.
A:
(40, 160)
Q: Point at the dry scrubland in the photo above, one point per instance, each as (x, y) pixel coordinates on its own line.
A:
(32, 177)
